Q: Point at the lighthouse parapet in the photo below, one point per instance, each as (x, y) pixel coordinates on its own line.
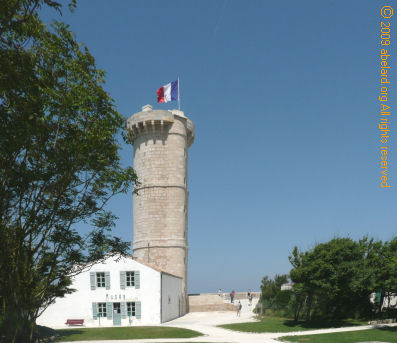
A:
(150, 121)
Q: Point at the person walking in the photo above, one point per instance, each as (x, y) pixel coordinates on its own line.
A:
(231, 297)
(239, 307)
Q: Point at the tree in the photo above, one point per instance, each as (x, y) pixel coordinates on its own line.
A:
(334, 279)
(303, 285)
(390, 286)
(383, 263)
(59, 164)
(271, 295)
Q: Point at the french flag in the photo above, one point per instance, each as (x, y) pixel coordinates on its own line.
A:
(169, 92)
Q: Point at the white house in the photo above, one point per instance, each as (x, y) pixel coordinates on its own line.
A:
(120, 291)
(287, 287)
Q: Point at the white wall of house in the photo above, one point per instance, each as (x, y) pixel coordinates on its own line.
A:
(171, 297)
(287, 287)
(388, 301)
(79, 305)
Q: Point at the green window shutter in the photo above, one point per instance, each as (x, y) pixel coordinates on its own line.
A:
(92, 280)
(107, 280)
(109, 310)
(378, 296)
(122, 280)
(94, 310)
(137, 278)
(137, 309)
(123, 307)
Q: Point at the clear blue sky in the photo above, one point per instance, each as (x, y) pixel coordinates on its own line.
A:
(284, 98)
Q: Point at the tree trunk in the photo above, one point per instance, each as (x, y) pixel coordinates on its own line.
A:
(25, 333)
(298, 310)
(19, 326)
(309, 307)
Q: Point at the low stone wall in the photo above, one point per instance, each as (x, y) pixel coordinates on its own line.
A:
(382, 321)
(241, 295)
(209, 302)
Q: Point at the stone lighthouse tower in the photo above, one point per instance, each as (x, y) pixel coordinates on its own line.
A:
(161, 139)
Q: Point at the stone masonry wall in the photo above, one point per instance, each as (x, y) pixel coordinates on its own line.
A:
(161, 206)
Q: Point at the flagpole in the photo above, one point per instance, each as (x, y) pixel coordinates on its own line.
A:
(179, 97)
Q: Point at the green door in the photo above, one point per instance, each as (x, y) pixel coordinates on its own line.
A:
(116, 314)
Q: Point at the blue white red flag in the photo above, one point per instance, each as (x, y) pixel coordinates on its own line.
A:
(169, 92)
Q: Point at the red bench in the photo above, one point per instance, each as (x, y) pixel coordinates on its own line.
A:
(75, 322)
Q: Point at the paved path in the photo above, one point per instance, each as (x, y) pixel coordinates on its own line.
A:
(206, 322)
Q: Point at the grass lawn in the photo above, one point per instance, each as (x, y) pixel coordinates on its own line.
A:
(276, 324)
(136, 332)
(382, 335)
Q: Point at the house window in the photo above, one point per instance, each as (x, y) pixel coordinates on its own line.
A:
(131, 309)
(116, 308)
(101, 309)
(130, 278)
(100, 279)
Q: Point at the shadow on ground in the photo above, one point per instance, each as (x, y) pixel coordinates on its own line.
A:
(320, 324)
(47, 334)
(386, 328)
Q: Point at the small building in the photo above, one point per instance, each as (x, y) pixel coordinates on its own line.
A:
(287, 287)
(389, 301)
(120, 291)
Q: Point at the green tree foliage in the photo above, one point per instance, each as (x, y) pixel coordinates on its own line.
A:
(383, 259)
(59, 163)
(272, 297)
(336, 279)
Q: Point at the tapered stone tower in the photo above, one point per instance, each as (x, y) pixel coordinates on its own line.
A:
(161, 140)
